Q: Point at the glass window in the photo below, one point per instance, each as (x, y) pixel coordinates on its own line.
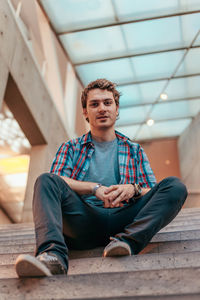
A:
(163, 129)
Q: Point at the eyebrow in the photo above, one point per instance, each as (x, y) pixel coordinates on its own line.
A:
(97, 100)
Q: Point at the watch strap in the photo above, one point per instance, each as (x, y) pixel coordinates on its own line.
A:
(96, 188)
(138, 190)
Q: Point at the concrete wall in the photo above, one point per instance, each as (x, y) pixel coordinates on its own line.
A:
(163, 157)
(3, 218)
(3, 79)
(54, 64)
(28, 97)
(189, 156)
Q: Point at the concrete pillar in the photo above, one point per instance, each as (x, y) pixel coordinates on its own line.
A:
(52, 74)
(189, 157)
(3, 79)
(37, 166)
(29, 99)
(23, 114)
(189, 154)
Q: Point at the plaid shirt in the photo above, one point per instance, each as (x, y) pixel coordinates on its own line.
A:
(73, 159)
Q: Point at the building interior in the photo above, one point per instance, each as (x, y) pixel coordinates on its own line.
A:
(50, 50)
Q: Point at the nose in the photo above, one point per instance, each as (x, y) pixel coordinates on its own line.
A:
(101, 106)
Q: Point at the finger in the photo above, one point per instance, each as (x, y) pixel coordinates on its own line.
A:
(120, 204)
(114, 195)
(111, 188)
(120, 198)
(107, 203)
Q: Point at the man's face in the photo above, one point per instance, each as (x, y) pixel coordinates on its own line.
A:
(101, 109)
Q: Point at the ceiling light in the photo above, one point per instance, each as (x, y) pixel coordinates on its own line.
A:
(164, 96)
(150, 122)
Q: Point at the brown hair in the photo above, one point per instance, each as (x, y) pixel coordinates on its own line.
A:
(102, 84)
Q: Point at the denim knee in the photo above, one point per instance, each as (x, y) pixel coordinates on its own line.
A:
(44, 177)
(177, 187)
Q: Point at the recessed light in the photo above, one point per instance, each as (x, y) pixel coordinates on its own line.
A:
(150, 122)
(164, 96)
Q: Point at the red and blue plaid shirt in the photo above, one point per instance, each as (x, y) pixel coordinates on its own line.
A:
(73, 159)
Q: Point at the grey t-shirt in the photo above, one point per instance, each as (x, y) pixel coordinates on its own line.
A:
(104, 167)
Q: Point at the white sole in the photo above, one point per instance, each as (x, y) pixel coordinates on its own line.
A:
(119, 249)
(29, 266)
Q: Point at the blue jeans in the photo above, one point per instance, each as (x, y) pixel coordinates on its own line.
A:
(64, 220)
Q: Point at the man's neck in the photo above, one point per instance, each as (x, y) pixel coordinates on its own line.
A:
(103, 135)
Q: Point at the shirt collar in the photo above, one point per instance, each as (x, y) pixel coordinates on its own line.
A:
(87, 138)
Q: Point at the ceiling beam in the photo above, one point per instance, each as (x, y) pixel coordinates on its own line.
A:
(155, 139)
(157, 79)
(59, 42)
(91, 61)
(112, 24)
(161, 102)
(128, 124)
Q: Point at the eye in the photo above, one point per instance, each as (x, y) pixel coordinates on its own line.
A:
(94, 104)
(108, 102)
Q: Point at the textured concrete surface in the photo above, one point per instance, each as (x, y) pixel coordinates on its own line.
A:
(168, 268)
(17, 56)
(189, 157)
(122, 264)
(162, 247)
(182, 281)
(3, 79)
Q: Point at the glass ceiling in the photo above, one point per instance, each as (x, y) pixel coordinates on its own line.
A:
(148, 47)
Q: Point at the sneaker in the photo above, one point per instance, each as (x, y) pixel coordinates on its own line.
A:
(43, 265)
(116, 248)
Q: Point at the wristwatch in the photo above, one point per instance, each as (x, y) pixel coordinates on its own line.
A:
(138, 190)
(96, 188)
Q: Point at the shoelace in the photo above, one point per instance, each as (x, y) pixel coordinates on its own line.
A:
(47, 257)
(114, 239)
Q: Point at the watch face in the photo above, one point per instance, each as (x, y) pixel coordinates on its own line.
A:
(139, 189)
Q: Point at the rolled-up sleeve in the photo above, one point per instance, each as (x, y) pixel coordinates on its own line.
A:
(146, 176)
(62, 163)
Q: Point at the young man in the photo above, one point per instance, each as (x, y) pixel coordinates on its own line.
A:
(101, 191)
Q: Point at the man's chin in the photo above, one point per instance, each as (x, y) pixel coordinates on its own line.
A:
(105, 125)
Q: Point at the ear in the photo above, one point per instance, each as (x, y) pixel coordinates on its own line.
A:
(117, 109)
(85, 112)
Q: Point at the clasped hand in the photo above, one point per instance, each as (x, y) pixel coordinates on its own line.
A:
(114, 195)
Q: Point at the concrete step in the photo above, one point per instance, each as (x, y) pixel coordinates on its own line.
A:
(178, 283)
(19, 237)
(14, 241)
(22, 241)
(177, 233)
(29, 234)
(189, 223)
(9, 254)
(158, 273)
(169, 244)
(122, 264)
(189, 210)
(173, 228)
(185, 212)
(181, 219)
(17, 225)
(16, 231)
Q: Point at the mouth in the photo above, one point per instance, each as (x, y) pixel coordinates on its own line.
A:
(102, 117)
